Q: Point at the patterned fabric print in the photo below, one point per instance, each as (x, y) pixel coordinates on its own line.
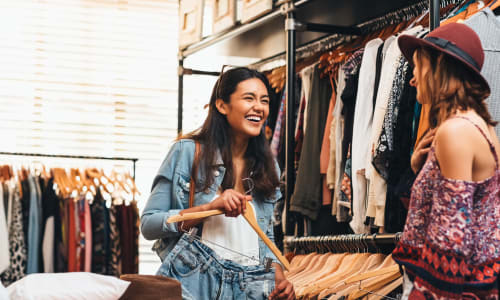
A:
(346, 187)
(17, 244)
(385, 144)
(451, 241)
(99, 234)
(114, 240)
(353, 64)
(275, 142)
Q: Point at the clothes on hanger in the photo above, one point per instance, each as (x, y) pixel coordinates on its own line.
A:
(67, 233)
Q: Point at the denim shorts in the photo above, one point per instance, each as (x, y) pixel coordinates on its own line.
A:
(205, 276)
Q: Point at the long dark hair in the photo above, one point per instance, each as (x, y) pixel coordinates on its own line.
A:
(215, 135)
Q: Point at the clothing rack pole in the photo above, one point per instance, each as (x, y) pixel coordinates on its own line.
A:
(345, 241)
(434, 14)
(180, 94)
(134, 160)
(290, 29)
(187, 71)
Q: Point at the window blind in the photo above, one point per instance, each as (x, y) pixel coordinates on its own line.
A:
(83, 77)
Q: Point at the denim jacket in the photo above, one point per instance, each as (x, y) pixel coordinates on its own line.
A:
(170, 195)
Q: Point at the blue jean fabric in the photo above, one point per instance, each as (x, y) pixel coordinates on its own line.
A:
(205, 276)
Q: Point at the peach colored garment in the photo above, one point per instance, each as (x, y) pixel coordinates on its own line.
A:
(88, 239)
(324, 157)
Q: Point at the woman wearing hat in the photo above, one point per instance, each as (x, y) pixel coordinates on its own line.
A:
(450, 247)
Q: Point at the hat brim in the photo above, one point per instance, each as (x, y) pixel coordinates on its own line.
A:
(408, 44)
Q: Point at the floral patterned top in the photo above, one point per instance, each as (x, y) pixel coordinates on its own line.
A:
(451, 242)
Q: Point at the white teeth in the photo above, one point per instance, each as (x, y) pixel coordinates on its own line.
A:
(254, 118)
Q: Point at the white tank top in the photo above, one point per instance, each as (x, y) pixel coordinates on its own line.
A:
(232, 233)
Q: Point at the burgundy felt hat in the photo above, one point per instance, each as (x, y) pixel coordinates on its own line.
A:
(454, 39)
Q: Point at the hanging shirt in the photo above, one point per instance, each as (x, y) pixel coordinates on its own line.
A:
(363, 114)
(4, 236)
(232, 233)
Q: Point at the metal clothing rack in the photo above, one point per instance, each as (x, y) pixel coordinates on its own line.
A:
(383, 243)
(133, 160)
(287, 9)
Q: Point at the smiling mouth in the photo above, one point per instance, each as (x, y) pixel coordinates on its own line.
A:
(255, 119)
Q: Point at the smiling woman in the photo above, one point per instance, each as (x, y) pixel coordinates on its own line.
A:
(233, 148)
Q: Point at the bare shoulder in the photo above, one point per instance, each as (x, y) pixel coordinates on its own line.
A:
(455, 145)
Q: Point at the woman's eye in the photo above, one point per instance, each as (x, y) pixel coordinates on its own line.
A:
(265, 101)
(248, 98)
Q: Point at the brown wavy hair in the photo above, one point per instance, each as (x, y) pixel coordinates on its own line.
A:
(449, 86)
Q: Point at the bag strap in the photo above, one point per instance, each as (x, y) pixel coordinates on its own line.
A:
(194, 171)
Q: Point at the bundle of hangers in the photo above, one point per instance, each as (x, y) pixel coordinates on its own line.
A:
(342, 267)
(75, 181)
(332, 51)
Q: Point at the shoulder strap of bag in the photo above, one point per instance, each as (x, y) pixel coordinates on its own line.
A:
(194, 172)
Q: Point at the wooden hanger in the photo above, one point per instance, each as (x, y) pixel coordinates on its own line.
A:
(297, 267)
(379, 294)
(373, 273)
(349, 265)
(312, 261)
(371, 263)
(249, 216)
(331, 266)
(310, 274)
(365, 289)
(352, 287)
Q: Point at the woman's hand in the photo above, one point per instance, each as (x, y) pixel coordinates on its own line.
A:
(420, 154)
(283, 289)
(231, 202)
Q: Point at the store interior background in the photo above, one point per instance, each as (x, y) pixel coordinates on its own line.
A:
(99, 78)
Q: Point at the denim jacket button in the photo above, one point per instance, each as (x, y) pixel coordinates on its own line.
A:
(216, 173)
(188, 185)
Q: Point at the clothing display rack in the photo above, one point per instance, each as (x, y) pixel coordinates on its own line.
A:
(343, 243)
(133, 160)
(355, 13)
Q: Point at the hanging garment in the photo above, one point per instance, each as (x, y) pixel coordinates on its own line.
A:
(306, 198)
(25, 203)
(487, 27)
(88, 238)
(393, 153)
(307, 75)
(100, 234)
(80, 241)
(4, 234)
(17, 243)
(114, 241)
(72, 234)
(336, 130)
(228, 233)
(451, 242)
(343, 186)
(34, 235)
(205, 275)
(50, 209)
(390, 84)
(277, 129)
(61, 236)
(326, 147)
(299, 133)
(361, 134)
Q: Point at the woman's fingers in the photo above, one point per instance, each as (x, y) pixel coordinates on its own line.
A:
(237, 202)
